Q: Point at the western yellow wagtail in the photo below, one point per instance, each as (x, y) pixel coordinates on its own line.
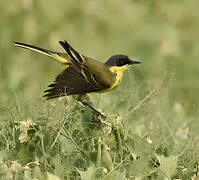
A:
(81, 74)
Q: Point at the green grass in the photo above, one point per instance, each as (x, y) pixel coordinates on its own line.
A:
(145, 139)
(151, 130)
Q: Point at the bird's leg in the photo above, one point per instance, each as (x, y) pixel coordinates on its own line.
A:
(91, 107)
(80, 98)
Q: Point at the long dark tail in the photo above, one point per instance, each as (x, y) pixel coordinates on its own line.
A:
(34, 48)
(60, 57)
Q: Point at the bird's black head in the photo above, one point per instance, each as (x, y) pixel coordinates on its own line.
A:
(120, 60)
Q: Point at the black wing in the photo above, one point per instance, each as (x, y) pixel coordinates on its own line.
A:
(71, 81)
(76, 79)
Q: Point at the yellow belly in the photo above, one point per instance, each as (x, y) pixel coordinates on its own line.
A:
(119, 74)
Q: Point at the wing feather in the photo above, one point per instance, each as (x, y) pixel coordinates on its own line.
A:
(84, 75)
(71, 82)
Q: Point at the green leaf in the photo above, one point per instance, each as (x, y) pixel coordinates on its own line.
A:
(137, 146)
(140, 167)
(89, 174)
(52, 177)
(120, 175)
(168, 165)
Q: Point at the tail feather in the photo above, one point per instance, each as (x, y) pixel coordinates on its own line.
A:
(34, 48)
(62, 58)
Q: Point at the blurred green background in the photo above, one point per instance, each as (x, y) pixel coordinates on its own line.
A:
(161, 34)
(157, 102)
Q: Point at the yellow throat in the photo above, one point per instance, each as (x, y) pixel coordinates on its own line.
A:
(119, 74)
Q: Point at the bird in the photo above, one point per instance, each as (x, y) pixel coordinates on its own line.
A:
(82, 74)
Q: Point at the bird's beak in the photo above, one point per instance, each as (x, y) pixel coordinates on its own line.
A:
(133, 62)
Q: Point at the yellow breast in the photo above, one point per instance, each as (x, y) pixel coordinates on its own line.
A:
(118, 71)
